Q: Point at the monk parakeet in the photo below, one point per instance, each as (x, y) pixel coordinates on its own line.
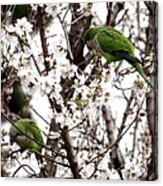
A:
(18, 103)
(27, 135)
(114, 46)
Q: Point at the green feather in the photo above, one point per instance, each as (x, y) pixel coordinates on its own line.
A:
(141, 72)
(110, 40)
(23, 129)
(18, 98)
(114, 46)
(28, 136)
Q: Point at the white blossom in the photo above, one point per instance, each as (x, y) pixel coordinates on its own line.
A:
(51, 9)
(23, 26)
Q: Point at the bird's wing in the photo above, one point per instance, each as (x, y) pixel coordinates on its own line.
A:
(32, 130)
(36, 132)
(124, 55)
(110, 40)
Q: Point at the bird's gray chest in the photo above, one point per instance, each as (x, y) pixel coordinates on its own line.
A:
(23, 141)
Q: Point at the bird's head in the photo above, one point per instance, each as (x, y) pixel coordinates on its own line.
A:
(15, 133)
(89, 36)
(20, 139)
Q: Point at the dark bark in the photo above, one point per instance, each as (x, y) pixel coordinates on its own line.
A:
(116, 155)
(76, 39)
(76, 34)
(70, 153)
(41, 26)
(113, 12)
(51, 168)
(152, 96)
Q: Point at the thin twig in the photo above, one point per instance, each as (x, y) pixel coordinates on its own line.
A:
(122, 18)
(23, 166)
(134, 139)
(77, 19)
(119, 137)
(66, 37)
(65, 14)
(125, 115)
(35, 111)
(21, 41)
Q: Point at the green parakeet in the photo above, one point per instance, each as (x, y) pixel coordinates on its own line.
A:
(28, 136)
(114, 46)
(19, 103)
(20, 132)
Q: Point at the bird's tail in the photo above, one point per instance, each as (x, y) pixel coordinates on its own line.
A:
(134, 62)
(141, 72)
(126, 56)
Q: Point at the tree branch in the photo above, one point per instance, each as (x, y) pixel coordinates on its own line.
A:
(70, 154)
